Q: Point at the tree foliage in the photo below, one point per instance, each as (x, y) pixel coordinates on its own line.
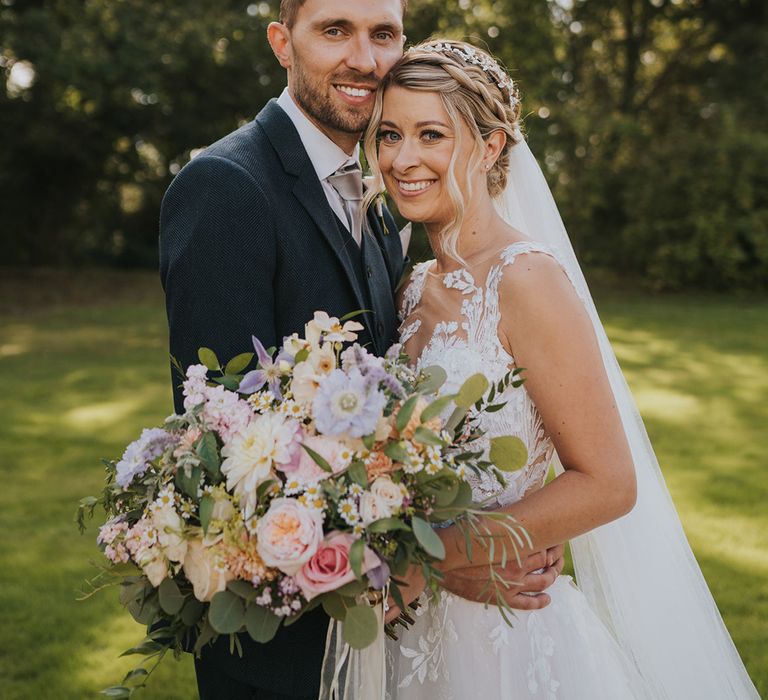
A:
(647, 116)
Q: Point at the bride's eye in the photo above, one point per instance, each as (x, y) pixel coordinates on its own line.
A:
(431, 135)
(388, 136)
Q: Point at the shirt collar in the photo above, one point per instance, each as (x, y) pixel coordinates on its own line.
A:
(326, 157)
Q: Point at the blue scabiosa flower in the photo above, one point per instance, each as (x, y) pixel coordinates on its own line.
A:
(346, 404)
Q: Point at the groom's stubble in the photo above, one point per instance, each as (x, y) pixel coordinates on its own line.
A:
(314, 99)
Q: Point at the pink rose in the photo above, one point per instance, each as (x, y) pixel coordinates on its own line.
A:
(329, 567)
(305, 470)
(288, 535)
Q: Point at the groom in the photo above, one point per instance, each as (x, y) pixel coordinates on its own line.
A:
(261, 230)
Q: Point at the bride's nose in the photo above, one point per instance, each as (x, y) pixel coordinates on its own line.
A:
(408, 155)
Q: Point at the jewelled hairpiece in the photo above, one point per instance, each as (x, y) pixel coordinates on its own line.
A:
(469, 55)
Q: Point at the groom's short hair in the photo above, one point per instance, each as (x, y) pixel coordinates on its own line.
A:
(290, 8)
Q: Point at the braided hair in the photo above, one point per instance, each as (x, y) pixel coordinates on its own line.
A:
(474, 89)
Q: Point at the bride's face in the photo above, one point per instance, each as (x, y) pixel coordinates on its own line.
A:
(416, 142)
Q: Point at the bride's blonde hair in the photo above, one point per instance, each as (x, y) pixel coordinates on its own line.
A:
(474, 89)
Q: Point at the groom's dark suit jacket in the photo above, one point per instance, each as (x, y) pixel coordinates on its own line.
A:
(250, 246)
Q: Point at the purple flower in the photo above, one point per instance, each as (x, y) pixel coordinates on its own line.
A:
(345, 404)
(379, 575)
(151, 444)
(269, 372)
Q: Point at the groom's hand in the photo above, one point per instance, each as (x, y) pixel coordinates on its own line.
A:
(414, 585)
(529, 580)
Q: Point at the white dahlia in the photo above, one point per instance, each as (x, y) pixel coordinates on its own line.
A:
(251, 454)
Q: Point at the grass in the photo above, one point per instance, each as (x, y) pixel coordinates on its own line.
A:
(83, 369)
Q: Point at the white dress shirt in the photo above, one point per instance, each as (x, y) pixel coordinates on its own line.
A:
(326, 157)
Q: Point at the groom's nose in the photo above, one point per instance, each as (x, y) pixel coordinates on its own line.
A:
(361, 55)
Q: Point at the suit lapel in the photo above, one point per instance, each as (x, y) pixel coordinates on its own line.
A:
(285, 140)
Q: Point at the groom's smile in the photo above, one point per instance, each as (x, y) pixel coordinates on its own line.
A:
(336, 52)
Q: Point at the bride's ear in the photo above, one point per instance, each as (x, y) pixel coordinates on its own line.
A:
(279, 39)
(493, 147)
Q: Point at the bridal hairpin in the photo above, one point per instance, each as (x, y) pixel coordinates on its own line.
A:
(469, 55)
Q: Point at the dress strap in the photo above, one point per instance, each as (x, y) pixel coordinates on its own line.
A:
(509, 253)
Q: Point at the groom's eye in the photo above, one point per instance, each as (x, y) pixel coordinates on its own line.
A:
(333, 32)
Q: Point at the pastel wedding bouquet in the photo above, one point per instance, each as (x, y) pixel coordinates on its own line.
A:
(315, 479)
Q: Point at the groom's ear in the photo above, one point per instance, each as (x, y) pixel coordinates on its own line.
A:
(279, 38)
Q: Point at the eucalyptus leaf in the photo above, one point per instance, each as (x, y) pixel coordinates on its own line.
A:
(428, 538)
(437, 407)
(508, 453)
(189, 484)
(170, 597)
(261, 624)
(351, 589)
(209, 359)
(208, 450)
(369, 440)
(301, 355)
(228, 381)
(435, 378)
(361, 627)
(356, 552)
(425, 436)
(396, 452)
(243, 589)
(206, 510)
(226, 612)
(471, 390)
(334, 606)
(405, 413)
(192, 611)
(358, 473)
(387, 525)
(238, 363)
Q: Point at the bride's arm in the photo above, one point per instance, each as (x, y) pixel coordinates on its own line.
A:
(547, 330)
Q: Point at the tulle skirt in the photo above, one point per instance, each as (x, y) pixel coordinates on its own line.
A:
(460, 650)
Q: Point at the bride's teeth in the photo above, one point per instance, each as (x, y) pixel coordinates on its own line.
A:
(415, 186)
(353, 92)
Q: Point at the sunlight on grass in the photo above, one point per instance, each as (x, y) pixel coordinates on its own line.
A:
(101, 415)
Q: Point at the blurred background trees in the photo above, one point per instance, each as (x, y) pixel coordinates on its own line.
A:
(648, 117)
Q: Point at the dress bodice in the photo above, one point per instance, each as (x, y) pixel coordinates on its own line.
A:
(469, 344)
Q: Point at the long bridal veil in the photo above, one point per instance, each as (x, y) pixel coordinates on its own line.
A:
(638, 572)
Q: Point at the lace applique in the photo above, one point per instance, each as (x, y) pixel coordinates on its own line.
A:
(477, 348)
(413, 291)
(427, 661)
(540, 681)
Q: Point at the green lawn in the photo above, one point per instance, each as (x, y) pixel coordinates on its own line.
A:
(81, 372)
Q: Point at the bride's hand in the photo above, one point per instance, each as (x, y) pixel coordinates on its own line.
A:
(536, 573)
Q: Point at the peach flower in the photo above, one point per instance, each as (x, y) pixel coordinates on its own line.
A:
(288, 535)
(205, 570)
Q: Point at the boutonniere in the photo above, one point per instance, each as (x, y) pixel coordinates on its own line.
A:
(378, 203)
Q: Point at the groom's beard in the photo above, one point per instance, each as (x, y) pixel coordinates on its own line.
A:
(316, 99)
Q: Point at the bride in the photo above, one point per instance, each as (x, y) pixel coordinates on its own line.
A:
(505, 290)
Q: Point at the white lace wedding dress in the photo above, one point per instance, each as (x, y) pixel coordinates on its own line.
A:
(461, 650)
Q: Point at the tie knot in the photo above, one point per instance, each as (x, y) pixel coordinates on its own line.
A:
(348, 182)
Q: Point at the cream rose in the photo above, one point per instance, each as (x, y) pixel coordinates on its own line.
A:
(388, 492)
(373, 508)
(200, 568)
(288, 535)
